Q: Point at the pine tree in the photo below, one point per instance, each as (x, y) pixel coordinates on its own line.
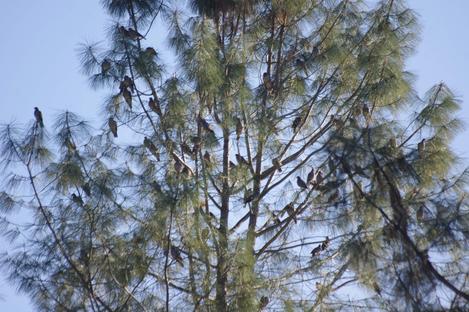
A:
(287, 164)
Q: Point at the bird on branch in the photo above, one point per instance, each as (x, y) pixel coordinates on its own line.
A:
(301, 183)
(38, 116)
(105, 66)
(112, 126)
(151, 147)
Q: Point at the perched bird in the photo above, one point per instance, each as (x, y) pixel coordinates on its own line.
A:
(113, 126)
(310, 178)
(155, 185)
(105, 66)
(392, 143)
(127, 97)
(316, 250)
(150, 51)
(296, 122)
(176, 255)
(232, 165)
(128, 83)
(86, 188)
(248, 196)
(154, 106)
(38, 116)
(315, 51)
(205, 125)
(277, 164)
(151, 147)
(241, 160)
(132, 34)
(263, 302)
(239, 128)
(366, 112)
(77, 199)
(290, 211)
(267, 82)
(301, 183)
(123, 31)
(325, 244)
(207, 157)
(421, 148)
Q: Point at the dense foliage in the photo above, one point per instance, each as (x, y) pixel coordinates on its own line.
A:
(276, 159)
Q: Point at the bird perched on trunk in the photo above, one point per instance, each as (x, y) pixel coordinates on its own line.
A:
(296, 122)
(105, 66)
(154, 106)
(151, 147)
(277, 164)
(132, 34)
(176, 255)
(290, 211)
(77, 199)
(239, 128)
(127, 97)
(241, 160)
(38, 116)
(267, 82)
(301, 183)
(421, 148)
(310, 177)
(113, 126)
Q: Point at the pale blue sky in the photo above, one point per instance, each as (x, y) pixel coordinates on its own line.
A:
(40, 67)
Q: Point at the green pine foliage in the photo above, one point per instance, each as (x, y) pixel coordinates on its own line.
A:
(286, 164)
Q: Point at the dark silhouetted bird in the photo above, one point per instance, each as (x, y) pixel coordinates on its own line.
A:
(105, 66)
(263, 302)
(77, 199)
(86, 188)
(112, 126)
(38, 116)
(366, 112)
(150, 52)
(127, 97)
(178, 166)
(325, 243)
(239, 128)
(176, 255)
(241, 160)
(151, 147)
(156, 186)
(316, 250)
(296, 122)
(301, 183)
(128, 83)
(154, 106)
